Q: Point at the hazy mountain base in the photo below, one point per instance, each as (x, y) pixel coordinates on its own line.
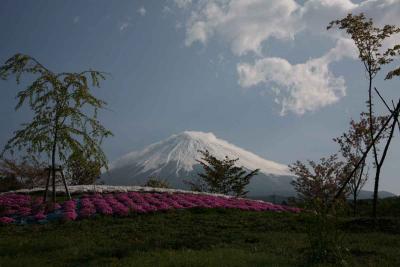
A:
(260, 185)
(273, 188)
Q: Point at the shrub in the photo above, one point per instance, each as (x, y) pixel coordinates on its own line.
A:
(157, 183)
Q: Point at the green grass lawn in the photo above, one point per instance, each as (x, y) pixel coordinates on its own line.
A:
(195, 237)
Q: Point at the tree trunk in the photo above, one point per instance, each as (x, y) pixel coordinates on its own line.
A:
(354, 204)
(53, 160)
(53, 169)
(375, 153)
(365, 154)
(47, 185)
(358, 187)
(380, 163)
(376, 187)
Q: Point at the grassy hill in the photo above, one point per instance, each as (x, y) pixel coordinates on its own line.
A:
(194, 237)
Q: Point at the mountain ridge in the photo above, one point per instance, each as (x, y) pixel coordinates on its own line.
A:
(174, 159)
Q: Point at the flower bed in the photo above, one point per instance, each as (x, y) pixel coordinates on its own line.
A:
(20, 208)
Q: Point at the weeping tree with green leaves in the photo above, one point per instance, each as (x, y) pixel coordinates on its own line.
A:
(64, 114)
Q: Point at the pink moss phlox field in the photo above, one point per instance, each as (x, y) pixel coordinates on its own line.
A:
(69, 210)
(6, 220)
(19, 208)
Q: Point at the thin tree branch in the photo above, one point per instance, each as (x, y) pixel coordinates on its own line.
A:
(396, 111)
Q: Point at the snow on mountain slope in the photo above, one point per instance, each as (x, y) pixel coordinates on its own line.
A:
(183, 149)
(174, 159)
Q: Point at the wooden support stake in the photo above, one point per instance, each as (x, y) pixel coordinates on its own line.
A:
(53, 174)
(65, 184)
(60, 171)
(47, 186)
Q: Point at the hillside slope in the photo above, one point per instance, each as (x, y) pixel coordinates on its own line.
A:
(174, 159)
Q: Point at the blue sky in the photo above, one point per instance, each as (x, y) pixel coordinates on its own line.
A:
(264, 75)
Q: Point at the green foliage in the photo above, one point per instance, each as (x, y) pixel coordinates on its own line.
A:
(388, 207)
(198, 237)
(318, 183)
(326, 241)
(8, 183)
(369, 39)
(27, 173)
(82, 170)
(222, 176)
(60, 103)
(157, 183)
(352, 146)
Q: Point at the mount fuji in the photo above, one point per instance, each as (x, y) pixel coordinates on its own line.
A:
(174, 159)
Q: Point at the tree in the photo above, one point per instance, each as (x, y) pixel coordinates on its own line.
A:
(318, 183)
(60, 103)
(369, 39)
(157, 182)
(222, 176)
(28, 173)
(352, 145)
(81, 170)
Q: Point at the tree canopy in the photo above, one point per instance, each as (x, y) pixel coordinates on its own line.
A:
(64, 112)
(223, 176)
(318, 182)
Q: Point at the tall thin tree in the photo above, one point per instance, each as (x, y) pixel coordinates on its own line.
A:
(64, 113)
(369, 40)
(352, 145)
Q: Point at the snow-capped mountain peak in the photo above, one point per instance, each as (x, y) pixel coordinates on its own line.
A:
(182, 151)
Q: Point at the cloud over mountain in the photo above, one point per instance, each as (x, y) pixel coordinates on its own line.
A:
(300, 87)
(246, 26)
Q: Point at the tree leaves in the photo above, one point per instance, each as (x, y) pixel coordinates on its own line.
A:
(318, 183)
(61, 104)
(222, 176)
(368, 40)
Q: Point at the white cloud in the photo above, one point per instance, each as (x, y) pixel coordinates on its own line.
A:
(246, 25)
(383, 11)
(301, 87)
(316, 14)
(142, 11)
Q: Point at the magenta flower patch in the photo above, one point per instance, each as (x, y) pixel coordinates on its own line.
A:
(6, 220)
(19, 208)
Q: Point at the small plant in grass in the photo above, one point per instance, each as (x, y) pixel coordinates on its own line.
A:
(317, 184)
(325, 238)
